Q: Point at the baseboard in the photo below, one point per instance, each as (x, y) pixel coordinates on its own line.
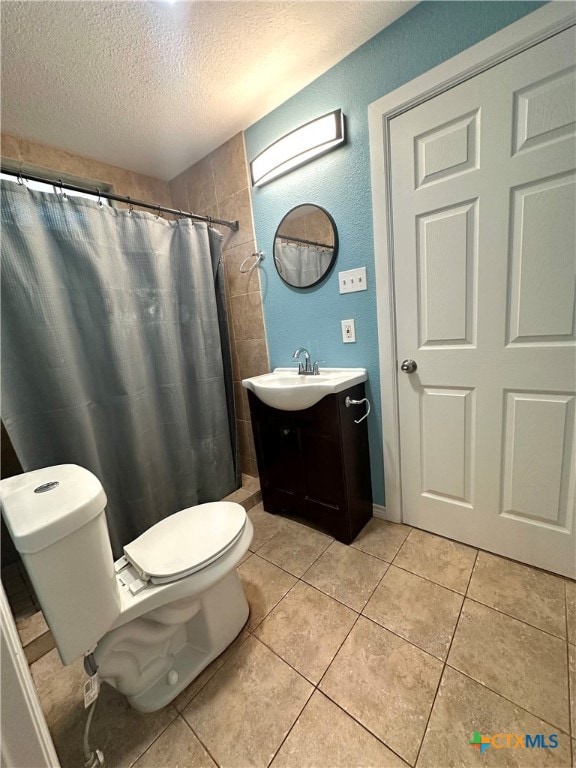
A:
(379, 511)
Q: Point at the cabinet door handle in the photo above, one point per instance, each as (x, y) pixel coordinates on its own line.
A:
(348, 402)
(285, 432)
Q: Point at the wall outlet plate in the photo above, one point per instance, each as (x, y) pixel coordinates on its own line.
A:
(348, 331)
(352, 280)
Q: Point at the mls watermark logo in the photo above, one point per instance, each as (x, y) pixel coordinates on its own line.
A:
(513, 741)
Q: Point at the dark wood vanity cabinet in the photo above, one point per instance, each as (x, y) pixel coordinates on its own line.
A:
(315, 463)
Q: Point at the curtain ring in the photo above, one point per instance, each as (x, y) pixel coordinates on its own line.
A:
(100, 203)
(63, 194)
(19, 178)
(158, 215)
(130, 206)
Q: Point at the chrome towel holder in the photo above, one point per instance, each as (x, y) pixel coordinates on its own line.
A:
(259, 256)
(348, 402)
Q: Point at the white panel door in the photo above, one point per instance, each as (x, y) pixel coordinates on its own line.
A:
(483, 211)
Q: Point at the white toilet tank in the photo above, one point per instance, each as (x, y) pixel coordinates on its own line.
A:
(57, 522)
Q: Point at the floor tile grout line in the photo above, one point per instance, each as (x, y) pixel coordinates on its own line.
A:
(212, 757)
(444, 664)
(155, 739)
(510, 701)
(364, 727)
(411, 642)
(289, 731)
(413, 573)
(514, 618)
(305, 571)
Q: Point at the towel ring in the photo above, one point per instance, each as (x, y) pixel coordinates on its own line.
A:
(259, 256)
(348, 402)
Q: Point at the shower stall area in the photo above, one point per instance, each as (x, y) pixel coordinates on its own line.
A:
(126, 331)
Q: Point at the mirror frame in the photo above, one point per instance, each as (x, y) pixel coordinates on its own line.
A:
(334, 253)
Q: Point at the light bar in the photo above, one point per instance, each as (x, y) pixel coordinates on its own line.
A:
(298, 147)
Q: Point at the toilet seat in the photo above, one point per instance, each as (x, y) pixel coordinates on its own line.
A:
(186, 542)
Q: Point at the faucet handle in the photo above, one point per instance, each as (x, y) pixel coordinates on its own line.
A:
(315, 368)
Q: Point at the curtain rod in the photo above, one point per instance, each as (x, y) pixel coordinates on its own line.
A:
(233, 225)
(306, 242)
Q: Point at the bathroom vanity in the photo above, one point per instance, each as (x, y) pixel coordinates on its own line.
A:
(315, 462)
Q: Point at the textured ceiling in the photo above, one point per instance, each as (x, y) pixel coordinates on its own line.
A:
(155, 86)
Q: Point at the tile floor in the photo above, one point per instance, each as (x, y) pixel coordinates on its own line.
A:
(391, 652)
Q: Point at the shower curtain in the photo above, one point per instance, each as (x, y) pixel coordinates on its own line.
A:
(115, 353)
(301, 265)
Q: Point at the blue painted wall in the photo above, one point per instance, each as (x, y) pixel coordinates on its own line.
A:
(340, 182)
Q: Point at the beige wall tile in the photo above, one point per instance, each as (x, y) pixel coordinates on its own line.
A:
(230, 168)
(241, 282)
(247, 316)
(200, 185)
(237, 207)
(240, 402)
(9, 147)
(252, 357)
(246, 438)
(52, 160)
(179, 192)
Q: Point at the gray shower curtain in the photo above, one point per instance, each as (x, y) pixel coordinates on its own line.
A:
(115, 354)
(301, 265)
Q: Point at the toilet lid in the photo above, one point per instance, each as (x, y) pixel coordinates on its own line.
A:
(186, 541)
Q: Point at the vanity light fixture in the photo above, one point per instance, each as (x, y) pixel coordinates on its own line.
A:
(298, 147)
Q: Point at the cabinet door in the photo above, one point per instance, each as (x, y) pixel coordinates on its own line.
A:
(278, 451)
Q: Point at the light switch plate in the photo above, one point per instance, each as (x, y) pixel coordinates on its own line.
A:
(352, 280)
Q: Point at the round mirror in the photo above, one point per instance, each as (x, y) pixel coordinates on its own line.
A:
(305, 246)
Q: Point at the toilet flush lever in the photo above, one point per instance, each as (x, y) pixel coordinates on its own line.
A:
(348, 402)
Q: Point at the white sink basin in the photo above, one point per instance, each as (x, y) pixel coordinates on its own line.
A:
(288, 390)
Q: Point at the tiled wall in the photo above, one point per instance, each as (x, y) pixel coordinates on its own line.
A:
(27, 155)
(218, 186)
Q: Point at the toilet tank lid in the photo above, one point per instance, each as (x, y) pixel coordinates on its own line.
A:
(45, 505)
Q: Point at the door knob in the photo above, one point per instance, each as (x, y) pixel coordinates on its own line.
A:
(408, 366)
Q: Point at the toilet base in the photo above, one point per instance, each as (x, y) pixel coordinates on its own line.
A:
(154, 657)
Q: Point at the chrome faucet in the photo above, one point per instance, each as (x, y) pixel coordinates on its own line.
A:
(306, 369)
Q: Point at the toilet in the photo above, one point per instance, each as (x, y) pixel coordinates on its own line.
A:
(155, 618)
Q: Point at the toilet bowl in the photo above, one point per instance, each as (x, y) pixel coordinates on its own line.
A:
(155, 618)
